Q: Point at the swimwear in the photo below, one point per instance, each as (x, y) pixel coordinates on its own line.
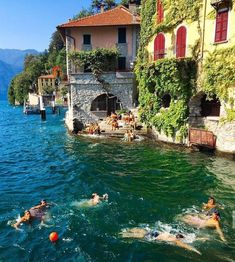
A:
(151, 234)
(38, 212)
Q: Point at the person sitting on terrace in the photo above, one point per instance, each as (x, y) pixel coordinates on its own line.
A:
(96, 128)
(115, 125)
(114, 116)
(132, 135)
(142, 233)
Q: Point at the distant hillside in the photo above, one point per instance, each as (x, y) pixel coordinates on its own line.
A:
(11, 63)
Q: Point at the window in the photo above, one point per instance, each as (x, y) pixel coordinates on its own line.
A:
(159, 46)
(181, 42)
(86, 39)
(221, 26)
(160, 12)
(121, 35)
(121, 63)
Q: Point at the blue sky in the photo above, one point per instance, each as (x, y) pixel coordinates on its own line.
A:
(29, 24)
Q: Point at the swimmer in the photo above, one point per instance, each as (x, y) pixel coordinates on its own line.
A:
(211, 222)
(210, 206)
(211, 203)
(39, 211)
(43, 204)
(96, 199)
(26, 218)
(142, 233)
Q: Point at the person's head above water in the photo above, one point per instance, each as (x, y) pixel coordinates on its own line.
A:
(211, 200)
(43, 202)
(93, 195)
(27, 214)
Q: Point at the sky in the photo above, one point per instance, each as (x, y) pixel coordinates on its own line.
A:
(29, 24)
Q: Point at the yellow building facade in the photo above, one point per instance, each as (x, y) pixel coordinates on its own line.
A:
(210, 34)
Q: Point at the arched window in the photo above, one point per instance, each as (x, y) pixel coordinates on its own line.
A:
(159, 46)
(160, 12)
(181, 42)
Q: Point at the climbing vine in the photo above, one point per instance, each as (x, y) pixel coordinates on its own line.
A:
(175, 77)
(177, 11)
(219, 73)
(98, 61)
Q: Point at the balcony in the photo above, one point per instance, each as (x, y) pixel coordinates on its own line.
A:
(218, 4)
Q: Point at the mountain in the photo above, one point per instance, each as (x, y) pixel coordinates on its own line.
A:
(11, 63)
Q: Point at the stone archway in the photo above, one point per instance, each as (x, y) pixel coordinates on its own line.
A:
(210, 107)
(104, 104)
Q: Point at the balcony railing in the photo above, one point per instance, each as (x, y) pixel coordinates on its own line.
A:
(202, 138)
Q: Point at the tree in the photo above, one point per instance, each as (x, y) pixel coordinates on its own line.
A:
(83, 13)
(56, 42)
(125, 3)
(108, 4)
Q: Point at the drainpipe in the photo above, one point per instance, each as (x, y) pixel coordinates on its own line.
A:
(203, 29)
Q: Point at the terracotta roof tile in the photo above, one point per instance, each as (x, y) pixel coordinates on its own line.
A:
(116, 16)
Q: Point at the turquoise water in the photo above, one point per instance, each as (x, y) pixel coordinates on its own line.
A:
(148, 186)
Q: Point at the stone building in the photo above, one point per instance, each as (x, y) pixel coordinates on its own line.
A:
(89, 99)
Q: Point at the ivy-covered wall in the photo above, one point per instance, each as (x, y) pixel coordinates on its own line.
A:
(171, 76)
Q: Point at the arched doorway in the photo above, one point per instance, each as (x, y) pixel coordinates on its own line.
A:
(103, 105)
(210, 107)
(166, 100)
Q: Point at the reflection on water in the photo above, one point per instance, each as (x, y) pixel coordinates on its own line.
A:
(148, 186)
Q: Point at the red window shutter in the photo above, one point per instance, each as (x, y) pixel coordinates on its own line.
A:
(160, 12)
(181, 42)
(159, 46)
(221, 26)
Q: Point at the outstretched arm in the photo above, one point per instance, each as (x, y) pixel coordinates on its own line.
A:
(219, 231)
(16, 225)
(186, 246)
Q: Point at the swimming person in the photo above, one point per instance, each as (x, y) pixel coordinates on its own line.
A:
(211, 203)
(142, 233)
(39, 211)
(96, 199)
(211, 222)
(26, 218)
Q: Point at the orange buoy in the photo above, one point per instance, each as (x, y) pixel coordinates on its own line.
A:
(53, 236)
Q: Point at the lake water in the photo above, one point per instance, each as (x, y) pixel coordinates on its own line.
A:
(148, 186)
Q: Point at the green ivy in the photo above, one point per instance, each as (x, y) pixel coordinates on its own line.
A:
(98, 60)
(219, 72)
(176, 77)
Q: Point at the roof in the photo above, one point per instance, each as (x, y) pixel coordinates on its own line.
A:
(47, 77)
(116, 16)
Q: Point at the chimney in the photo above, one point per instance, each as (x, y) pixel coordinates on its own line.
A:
(102, 7)
(133, 7)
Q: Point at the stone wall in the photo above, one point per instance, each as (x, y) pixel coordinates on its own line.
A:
(85, 88)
